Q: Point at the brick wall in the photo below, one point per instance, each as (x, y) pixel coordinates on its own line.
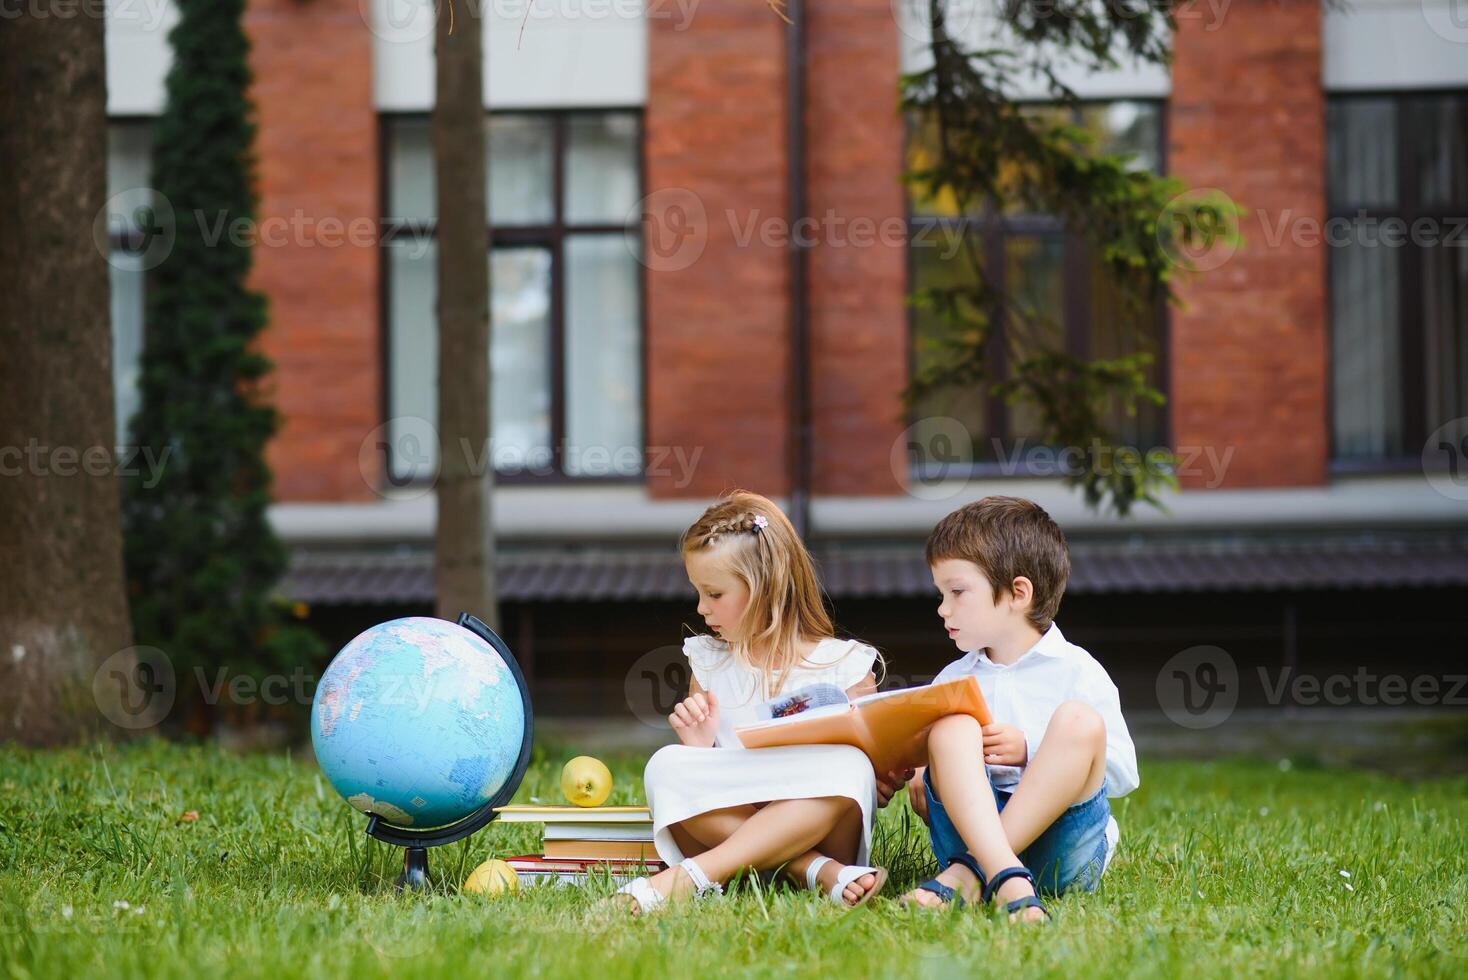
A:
(718, 299)
(317, 164)
(1249, 351)
(858, 271)
(717, 310)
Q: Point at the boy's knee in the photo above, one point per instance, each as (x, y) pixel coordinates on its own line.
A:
(951, 727)
(1080, 721)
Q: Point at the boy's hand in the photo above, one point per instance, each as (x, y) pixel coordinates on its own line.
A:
(887, 786)
(696, 719)
(1004, 745)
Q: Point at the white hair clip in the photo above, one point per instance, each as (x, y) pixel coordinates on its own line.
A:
(760, 523)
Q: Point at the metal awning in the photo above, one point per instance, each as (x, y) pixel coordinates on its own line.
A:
(1130, 565)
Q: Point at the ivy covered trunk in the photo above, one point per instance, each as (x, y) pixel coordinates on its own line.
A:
(202, 559)
(63, 611)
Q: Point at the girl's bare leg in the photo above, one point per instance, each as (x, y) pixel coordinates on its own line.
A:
(841, 845)
(776, 833)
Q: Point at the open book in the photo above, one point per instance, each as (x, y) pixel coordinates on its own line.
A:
(891, 727)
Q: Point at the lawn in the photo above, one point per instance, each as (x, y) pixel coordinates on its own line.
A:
(1238, 868)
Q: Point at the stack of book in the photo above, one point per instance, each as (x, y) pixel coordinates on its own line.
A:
(582, 841)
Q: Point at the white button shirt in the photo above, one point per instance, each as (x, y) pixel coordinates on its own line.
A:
(1027, 692)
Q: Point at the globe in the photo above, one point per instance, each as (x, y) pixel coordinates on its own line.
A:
(419, 721)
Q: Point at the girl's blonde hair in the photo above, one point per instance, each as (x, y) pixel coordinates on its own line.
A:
(764, 552)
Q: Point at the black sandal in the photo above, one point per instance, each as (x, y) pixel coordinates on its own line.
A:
(1027, 902)
(948, 893)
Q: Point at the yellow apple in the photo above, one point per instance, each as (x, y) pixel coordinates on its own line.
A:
(586, 781)
(492, 878)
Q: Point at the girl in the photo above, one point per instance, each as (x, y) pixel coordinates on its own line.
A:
(718, 808)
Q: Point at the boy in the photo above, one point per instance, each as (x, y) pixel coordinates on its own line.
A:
(1023, 801)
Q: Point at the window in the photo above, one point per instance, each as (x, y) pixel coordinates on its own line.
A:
(1054, 293)
(129, 163)
(1398, 227)
(565, 293)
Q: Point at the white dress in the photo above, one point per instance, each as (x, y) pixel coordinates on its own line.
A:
(682, 781)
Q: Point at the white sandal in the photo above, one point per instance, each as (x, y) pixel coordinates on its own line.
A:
(649, 899)
(848, 874)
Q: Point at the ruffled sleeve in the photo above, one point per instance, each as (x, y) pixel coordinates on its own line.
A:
(847, 662)
(705, 655)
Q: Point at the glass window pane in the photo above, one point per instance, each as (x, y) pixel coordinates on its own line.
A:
(126, 272)
(937, 341)
(1128, 129)
(603, 357)
(1365, 351)
(521, 171)
(1445, 316)
(129, 168)
(1034, 284)
(1362, 150)
(413, 363)
(410, 179)
(520, 358)
(1118, 329)
(922, 154)
(602, 172)
(1439, 125)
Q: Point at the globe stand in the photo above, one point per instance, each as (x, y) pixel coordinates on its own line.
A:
(416, 842)
(415, 870)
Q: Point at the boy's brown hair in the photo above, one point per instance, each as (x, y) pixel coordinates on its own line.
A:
(1008, 537)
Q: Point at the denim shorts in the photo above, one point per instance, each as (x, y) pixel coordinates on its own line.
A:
(1070, 854)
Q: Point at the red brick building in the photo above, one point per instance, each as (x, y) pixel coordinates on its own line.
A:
(641, 368)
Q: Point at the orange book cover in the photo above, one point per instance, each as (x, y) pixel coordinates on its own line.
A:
(891, 727)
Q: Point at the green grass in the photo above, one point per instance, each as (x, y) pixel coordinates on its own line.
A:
(1225, 869)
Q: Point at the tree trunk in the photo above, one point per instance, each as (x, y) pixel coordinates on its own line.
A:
(464, 542)
(63, 605)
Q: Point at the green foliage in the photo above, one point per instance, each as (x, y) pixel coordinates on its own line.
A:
(1228, 869)
(202, 559)
(1142, 228)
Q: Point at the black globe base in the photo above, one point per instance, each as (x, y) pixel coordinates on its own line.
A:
(415, 870)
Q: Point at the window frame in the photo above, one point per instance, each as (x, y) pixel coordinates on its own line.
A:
(551, 237)
(1410, 310)
(995, 228)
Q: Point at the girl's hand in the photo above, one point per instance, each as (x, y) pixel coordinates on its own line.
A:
(888, 786)
(1004, 745)
(696, 719)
